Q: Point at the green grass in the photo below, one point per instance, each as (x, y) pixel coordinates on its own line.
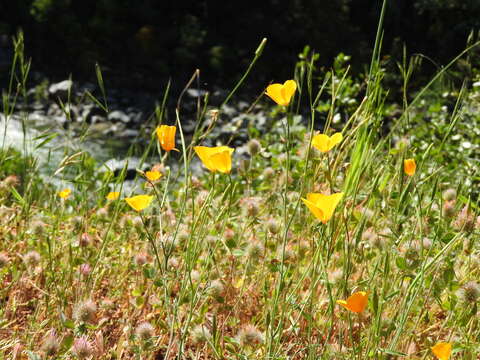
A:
(235, 266)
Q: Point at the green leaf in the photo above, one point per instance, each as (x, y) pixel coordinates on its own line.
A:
(17, 196)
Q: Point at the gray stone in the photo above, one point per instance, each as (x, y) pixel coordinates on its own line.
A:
(60, 90)
(89, 111)
(118, 116)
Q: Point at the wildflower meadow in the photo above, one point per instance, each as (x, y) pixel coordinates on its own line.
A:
(349, 230)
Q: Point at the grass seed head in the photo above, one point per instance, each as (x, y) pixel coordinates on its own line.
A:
(273, 226)
(31, 258)
(449, 195)
(268, 173)
(85, 311)
(145, 331)
(102, 214)
(141, 259)
(4, 260)
(82, 348)
(255, 250)
(250, 336)
(470, 292)
(38, 227)
(254, 147)
(200, 334)
(216, 288)
(448, 209)
(51, 343)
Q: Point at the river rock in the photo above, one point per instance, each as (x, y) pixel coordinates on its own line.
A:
(90, 111)
(118, 116)
(60, 90)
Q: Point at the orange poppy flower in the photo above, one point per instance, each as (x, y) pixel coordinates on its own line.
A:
(139, 202)
(442, 350)
(322, 206)
(357, 302)
(325, 143)
(153, 175)
(166, 137)
(409, 166)
(282, 94)
(65, 193)
(113, 195)
(216, 158)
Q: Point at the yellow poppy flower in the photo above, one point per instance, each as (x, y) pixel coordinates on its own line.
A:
(153, 175)
(282, 94)
(166, 137)
(113, 195)
(65, 193)
(442, 350)
(216, 158)
(325, 143)
(322, 206)
(357, 302)
(409, 166)
(139, 202)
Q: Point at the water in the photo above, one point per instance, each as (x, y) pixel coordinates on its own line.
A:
(108, 151)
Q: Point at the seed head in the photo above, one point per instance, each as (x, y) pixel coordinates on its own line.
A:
(85, 269)
(102, 214)
(11, 181)
(77, 222)
(84, 240)
(32, 258)
(250, 336)
(470, 292)
(449, 195)
(195, 275)
(82, 348)
(145, 331)
(229, 234)
(38, 227)
(141, 259)
(273, 226)
(137, 223)
(243, 165)
(254, 147)
(448, 209)
(85, 311)
(255, 250)
(268, 173)
(216, 288)
(3, 260)
(250, 206)
(200, 334)
(465, 220)
(51, 343)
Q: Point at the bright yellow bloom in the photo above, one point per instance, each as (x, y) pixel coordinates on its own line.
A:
(166, 137)
(113, 195)
(325, 143)
(139, 202)
(357, 302)
(216, 158)
(65, 193)
(282, 94)
(442, 350)
(153, 175)
(322, 206)
(409, 166)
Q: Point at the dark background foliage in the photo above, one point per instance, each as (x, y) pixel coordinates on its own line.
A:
(147, 41)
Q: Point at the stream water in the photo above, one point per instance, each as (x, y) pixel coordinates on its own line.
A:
(50, 144)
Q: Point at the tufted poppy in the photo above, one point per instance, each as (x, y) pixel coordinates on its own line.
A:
(282, 94)
(322, 206)
(216, 158)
